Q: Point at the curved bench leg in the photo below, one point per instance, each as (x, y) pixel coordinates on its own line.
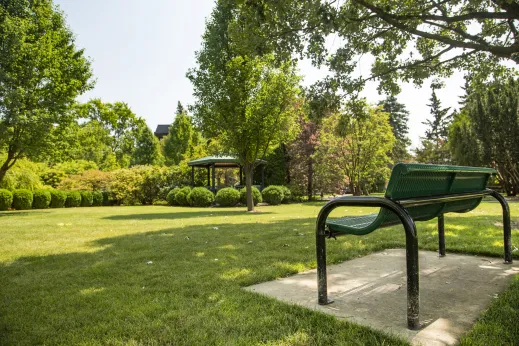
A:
(507, 229)
(441, 236)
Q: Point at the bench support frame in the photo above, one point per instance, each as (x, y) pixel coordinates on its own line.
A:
(412, 265)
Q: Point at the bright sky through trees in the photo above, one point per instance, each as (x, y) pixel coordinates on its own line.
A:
(141, 51)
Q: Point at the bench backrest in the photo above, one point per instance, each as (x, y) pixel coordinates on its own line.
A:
(422, 180)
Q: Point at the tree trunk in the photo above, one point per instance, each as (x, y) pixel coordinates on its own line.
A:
(249, 171)
(5, 167)
(310, 186)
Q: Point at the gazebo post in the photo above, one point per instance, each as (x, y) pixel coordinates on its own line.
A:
(214, 187)
(241, 176)
(262, 177)
(208, 175)
(192, 176)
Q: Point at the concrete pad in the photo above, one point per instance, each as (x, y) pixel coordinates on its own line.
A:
(371, 291)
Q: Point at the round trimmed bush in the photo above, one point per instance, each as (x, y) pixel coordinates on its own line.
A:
(73, 199)
(273, 195)
(256, 196)
(22, 199)
(57, 198)
(181, 196)
(287, 195)
(227, 197)
(41, 199)
(97, 198)
(200, 197)
(86, 198)
(6, 199)
(172, 195)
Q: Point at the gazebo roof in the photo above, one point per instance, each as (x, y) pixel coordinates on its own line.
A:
(219, 161)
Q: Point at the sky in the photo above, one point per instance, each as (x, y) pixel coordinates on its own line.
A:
(141, 51)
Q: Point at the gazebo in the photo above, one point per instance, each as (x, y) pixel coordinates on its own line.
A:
(212, 162)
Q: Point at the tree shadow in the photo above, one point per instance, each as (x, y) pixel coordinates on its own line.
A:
(161, 286)
(209, 212)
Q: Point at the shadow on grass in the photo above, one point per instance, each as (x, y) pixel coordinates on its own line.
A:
(22, 212)
(176, 214)
(160, 287)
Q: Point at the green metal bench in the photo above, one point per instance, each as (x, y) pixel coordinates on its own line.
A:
(416, 192)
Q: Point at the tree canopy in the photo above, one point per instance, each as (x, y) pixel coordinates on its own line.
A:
(181, 138)
(35, 88)
(410, 40)
(398, 118)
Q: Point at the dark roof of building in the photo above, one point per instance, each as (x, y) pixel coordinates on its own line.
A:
(162, 129)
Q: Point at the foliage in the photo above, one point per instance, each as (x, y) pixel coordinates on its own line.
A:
(42, 72)
(87, 180)
(355, 144)
(24, 174)
(110, 199)
(52, 177)
(58, 198)
(398, 119)
(464, 146)
(276, 170)
(287, 195)
(154, 180)
(73, 199)
(493, 111)
(87, 198)
(181, 139)
(181, 196)
(471, 35)
(434, 146)
(273, 194)
(41, 199)
(22, 199)
(6, 199)
(97, 198)
(243, 100)
(227, 197)
(74, 167)
(147, 148)
(256, 195)
(200, 197)
(171, 197)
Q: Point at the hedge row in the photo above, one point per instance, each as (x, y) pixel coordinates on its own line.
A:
(196, 197)
(42, 199)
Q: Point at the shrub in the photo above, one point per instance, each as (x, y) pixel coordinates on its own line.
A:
(273, 194)
(6, 199)
(97, 198)
(57, 198)
(228, 197)
(22, 199)
(256, 196)
(200, 197)
(181, 196)
(86, 198)
(41, 199)
(109, 198)
(172, 195)
(73, 199)
(287, 195)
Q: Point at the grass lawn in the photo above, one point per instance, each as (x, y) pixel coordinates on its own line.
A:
(164, 275)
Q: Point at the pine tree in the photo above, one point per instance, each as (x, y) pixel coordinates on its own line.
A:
(180, 137)
(398, 118)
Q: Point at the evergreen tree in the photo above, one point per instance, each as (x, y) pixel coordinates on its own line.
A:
(180, 137)
(434, 147)
(398, 118)
(147, 148)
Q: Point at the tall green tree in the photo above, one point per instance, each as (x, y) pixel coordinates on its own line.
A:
(398, 119)
(356, 143)
(434, 145)
(181, 138)
(41, 73)
(471, 35)
(243, 100)
(147, 147)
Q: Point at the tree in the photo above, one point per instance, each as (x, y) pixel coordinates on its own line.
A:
(41, 73)
(356, 143)
(398, 118)
(147, 147)
(243, 100)
(181, 138)
(471, 35)
(434, 144)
